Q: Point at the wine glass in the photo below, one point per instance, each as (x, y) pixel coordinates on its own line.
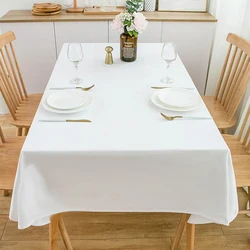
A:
(91, 3)
(168, 54)
(75, 55)
(108, 5)
(68, 3)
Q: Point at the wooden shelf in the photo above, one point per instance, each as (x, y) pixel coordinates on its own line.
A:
(16, 16)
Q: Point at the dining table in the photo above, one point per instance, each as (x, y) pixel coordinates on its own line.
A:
(129, 158)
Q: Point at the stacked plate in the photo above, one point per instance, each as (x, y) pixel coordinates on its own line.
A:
(68, 101)
(176, 99)
(46, 9)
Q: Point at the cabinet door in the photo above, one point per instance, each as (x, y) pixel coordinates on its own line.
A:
(151, 35)
(194, 42)
(84, 32)
(36, 53)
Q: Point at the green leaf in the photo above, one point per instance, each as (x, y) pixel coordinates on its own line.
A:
(130, 33)
(133, 5)
(135, 33)
(128, 23)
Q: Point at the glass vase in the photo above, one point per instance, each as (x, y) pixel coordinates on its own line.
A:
(108, 5)
(128, 47)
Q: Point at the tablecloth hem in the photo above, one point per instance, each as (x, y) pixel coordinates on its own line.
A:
(45, 219)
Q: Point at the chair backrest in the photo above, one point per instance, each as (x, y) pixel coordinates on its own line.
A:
(244, 133)
(235, 74)
(2, 136)
(11, 81)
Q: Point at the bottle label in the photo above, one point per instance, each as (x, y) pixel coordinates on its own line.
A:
(128, 51)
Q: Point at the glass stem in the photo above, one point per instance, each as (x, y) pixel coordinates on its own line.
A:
(76, 67)
(168, 65)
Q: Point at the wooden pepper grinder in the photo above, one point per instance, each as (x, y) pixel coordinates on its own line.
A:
(109, 56)
(75, 9)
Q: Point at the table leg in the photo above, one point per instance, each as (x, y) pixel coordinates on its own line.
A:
(190, 236)
(53, 232)
(65, 235)
(180, 231)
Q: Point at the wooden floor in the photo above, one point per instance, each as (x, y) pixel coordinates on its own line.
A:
(136, 231)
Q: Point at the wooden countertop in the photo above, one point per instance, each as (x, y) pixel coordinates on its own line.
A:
(26, 16)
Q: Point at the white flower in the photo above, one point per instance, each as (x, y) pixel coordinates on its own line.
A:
(131, 28)
(117, 23)
(140, 22)
(132, 22)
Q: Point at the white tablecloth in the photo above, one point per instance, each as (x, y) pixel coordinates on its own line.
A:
(129, 158)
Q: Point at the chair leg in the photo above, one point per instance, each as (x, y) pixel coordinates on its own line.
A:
(64, 234)
(25, 131)
(53, 232)
(224, 131)
(19, 131)
(180, 231)
(190, 236)
(248, 193)
(248, 203)
(5, 193)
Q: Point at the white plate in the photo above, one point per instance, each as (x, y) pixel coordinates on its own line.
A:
(86, 105)
(179, 98)
(67, 99)
(156, 101)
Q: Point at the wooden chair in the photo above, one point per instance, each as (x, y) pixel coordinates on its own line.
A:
(240, 150)
(9, 154)
(22, 106)
(232, 85)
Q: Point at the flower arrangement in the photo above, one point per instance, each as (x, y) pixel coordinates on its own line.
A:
(131, 23)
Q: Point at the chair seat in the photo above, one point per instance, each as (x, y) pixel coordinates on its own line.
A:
(23, 120)
(218, 113)
(241, 160)
(235, 145)
(241, 165)
(35, 97)
(9, 155)
(26, 112)
(31, 103)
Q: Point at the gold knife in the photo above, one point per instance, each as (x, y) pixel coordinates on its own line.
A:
(81, 120)
(156, 87)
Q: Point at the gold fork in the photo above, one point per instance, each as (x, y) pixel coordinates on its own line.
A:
(86, 89)
(171, 118)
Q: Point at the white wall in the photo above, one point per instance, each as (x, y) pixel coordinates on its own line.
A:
(6, 5)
